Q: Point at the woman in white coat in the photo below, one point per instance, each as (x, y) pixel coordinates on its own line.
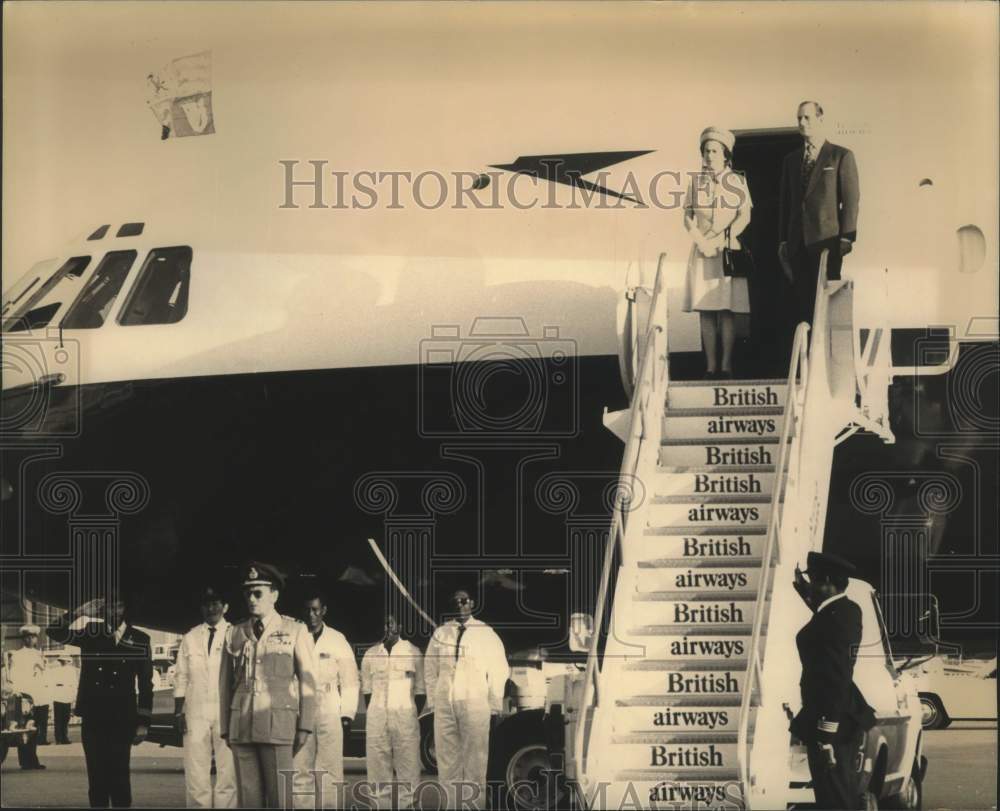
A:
(717, 199)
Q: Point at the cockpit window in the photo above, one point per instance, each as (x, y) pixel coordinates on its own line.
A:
(160, 295)
(92, 306)
(44, 302)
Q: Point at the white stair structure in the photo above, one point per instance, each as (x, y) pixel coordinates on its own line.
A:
(674, 693)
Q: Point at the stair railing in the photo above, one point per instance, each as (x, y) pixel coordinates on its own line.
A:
(795, 399)
(645, 428)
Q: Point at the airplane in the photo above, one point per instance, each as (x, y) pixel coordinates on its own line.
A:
(295, 378)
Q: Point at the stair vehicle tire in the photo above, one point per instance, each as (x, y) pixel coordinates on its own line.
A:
(933, 715)
(911, 798)
(4, 746)
(520, 768)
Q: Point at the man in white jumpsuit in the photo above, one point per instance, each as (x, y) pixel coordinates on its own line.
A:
(392, 679)
(196, 708)
(337, 691)
(466, 671)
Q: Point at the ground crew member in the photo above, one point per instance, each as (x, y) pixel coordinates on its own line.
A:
(834, 715)
(465, 670)
(27, 675)
(392, 679)
(266, 692)
(319, 765)
(115, 696)
(196, 707)
(63, 681)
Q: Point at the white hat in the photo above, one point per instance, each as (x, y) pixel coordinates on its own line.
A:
(724, 137)
(30, 628)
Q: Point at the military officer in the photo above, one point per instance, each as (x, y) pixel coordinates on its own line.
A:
(834, 715)
(319, 765)
(465, 670)
(115, 696)
(196, 707)
(267, 691)
(392, 679)
(27, 675)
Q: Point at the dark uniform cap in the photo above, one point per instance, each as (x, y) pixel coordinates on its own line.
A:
(262, 574)
(823, 563)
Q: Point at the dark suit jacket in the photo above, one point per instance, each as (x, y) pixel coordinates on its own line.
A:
(833, 708)
(830, 207)
(116, 680)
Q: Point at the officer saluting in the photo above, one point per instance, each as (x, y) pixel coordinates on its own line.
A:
(267, 692)
(834, 714)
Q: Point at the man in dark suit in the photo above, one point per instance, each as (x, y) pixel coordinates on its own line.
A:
(834, 715)
(818, 210)
(115, 696)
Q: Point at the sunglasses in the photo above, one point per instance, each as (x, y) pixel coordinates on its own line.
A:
(256, 594)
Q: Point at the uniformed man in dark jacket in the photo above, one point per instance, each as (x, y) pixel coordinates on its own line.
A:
(115, 696)
(834, 715)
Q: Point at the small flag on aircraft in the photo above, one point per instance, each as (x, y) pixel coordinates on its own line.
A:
(180, 96)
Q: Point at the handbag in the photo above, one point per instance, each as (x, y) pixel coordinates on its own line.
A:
(737, 263)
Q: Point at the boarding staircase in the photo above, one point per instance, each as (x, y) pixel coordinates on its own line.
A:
(673, 686)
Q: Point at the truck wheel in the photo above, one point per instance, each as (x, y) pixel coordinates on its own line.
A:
(521, 767)
(932, 714)
(428, 757)
(910, 798)
(4, 746)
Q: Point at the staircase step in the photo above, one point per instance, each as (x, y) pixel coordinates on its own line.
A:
(694, 545)
(669, 680)
(662, 789)
(706, 481)
(661, 629)
(722, 424)
(681, 648)
(717, 394)
(713, 450)
(675, 752)
(713, 579)
(714, 612)
(720, 516)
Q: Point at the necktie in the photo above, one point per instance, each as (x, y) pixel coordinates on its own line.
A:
(317, 635)
(258, 628)
(808, 162)
(211, 636)
(458, 641)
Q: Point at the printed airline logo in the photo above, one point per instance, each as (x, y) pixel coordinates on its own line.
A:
(748, 396)
(694, 795)
(710, 613)
(569, 169)
(723, 514)
(670, 718)
(744, 426)
(716, 581)
(707, 647)
(685, 756)
(722, 547)
(727, 483)
(738, 455)
(694, 684)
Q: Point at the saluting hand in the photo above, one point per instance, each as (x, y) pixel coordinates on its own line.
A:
(141, 732)
(92, 608)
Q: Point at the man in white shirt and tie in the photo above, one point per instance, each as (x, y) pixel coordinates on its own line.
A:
(27, 675)
(196, 708)
(319, 765)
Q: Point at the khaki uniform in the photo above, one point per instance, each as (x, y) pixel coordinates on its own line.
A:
(267, 690)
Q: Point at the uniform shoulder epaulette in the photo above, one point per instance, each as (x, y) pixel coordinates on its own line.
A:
(294, 620)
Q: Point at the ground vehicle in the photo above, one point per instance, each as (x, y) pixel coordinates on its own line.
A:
(951, 689)
(893, 763)
(17, 725)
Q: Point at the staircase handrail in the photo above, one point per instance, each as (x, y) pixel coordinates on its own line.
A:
(652, 379)
(796, 392)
